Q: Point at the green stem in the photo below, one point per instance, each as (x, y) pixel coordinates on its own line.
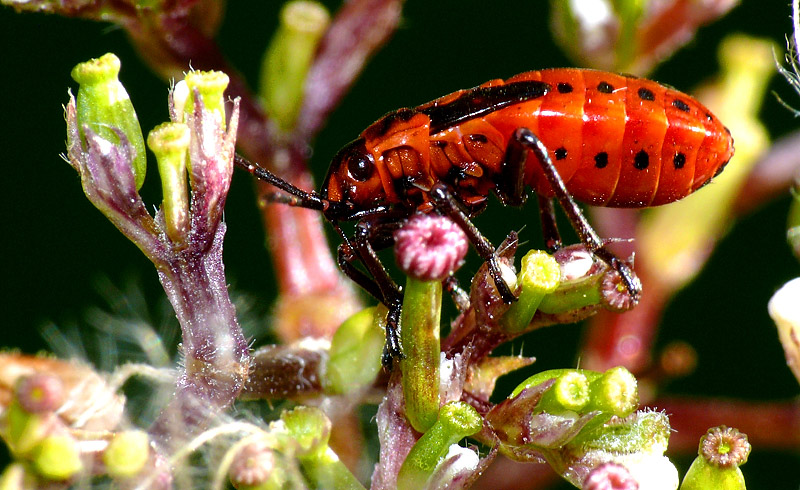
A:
(419, 331)
(456, 421)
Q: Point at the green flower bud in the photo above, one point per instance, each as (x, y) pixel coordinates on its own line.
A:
(456, 421)
(540, 378)
(309, 427)
(57, 457)
(355, 354)
(288, 58)
(539, 275)
(210, 85)
(104, 105)
(170, 144)
(614, 392)
(127, 454)
(24, 430)
(570, 392)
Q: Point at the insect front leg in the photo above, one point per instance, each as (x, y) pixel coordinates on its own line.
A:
(362, 247)
(446, 204)
(524, 140)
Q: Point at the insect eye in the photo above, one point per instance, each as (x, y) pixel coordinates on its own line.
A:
(360, 167)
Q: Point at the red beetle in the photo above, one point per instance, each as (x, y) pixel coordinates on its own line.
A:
(573, 134)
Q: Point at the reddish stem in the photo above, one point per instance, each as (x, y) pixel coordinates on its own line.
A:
(772, 175)
(768, 425)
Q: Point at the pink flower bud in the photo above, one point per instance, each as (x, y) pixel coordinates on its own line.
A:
(610, 476)
(39, 393)
(253, 464)
(725, 447)
(429, 247)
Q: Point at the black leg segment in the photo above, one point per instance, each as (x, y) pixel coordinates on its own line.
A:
(524, 140)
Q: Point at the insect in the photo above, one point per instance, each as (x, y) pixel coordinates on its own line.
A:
(567, 134)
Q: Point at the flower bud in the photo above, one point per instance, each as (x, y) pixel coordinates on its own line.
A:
(40, 393)
(429, 247)
(254, 466)
(722, 450)
(15, 477)
(210, 85)
(310, 429)
(23, 430)
(57, 457)
(127, 453)
(614, 392)
(288, 58)
(170, 144)
(784, 309)
(104, 106)
(610, 476)
(539, 275)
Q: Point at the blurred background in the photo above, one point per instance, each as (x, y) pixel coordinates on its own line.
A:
(59, 255)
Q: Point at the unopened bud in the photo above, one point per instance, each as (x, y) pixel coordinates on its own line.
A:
(105, 107)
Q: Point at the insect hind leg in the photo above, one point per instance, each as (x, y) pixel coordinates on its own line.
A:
(524, 140)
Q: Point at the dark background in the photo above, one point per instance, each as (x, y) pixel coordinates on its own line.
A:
(56, 248)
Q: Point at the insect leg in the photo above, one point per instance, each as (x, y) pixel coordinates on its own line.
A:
(344, 258)
(445, 203)
(547, 216)
(390, 293)
(524, 138)
(459, 295)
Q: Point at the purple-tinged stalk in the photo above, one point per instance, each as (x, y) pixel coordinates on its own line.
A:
(187, 252)
(722, 450)
(630, 36)
(428, 249)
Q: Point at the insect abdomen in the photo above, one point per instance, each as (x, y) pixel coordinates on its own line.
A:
(620, 141)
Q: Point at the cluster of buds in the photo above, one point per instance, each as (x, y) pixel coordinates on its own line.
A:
(292, 453)
(184, 239)
(61, 423)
